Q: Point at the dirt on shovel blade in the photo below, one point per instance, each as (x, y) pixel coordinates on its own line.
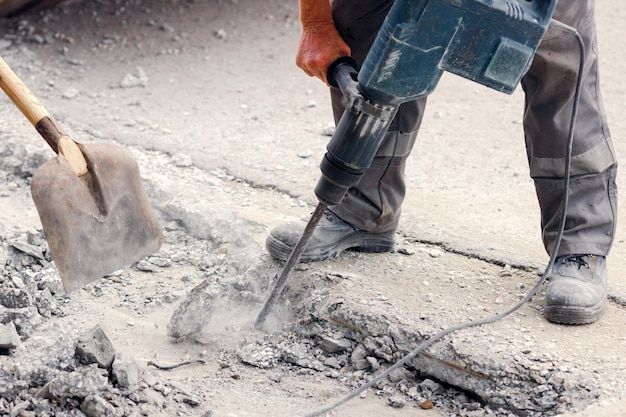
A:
(97, 223)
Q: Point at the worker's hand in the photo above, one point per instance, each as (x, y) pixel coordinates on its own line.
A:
(320, 45)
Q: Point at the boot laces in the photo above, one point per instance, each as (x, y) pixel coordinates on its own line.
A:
(332, 217)
(579, 260)
(337, 221)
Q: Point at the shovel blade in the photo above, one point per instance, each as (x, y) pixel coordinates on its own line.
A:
(97, 223)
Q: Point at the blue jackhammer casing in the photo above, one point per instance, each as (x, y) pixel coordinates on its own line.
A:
(491, 42)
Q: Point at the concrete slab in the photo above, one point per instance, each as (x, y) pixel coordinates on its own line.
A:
(469, 243)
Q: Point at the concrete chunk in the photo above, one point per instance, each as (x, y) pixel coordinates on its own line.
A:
(330, 345)
(95, 347)
(96, 406)
(9, 339)
(126, 371)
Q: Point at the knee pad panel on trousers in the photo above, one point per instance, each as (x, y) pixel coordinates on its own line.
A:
(591, 212)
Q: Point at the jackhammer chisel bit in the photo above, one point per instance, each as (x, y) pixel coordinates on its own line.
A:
(290, 264)
(491, 42)
(349, 152)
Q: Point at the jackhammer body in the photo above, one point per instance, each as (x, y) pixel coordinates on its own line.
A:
(491, 42)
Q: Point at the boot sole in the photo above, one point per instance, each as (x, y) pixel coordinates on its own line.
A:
(574, 315)
(360, 241)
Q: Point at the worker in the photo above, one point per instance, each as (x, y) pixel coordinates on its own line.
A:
(367, 218)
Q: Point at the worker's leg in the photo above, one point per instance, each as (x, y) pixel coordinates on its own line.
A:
(374, 204)
(577, 292)
(367, 217)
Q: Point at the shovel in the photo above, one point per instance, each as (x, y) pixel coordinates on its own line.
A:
(90, 198)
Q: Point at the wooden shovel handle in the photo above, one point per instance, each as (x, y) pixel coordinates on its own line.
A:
(38, 116)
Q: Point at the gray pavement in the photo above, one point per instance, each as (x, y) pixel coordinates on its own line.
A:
(468, 193)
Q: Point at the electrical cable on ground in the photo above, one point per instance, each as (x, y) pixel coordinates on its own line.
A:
(475, 323)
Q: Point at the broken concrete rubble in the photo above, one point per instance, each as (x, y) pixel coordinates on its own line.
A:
(66, 378)
(331, 345)
(94, 346)
(125, 371)
(53, 367)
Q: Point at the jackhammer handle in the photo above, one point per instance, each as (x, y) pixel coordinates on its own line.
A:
(342, 72)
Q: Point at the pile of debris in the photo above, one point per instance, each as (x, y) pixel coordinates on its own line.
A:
(58, 371)
(51, 367)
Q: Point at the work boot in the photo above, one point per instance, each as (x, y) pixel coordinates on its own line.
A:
(331, 237)
(576, 293)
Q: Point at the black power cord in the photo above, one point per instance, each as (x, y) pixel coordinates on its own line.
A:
(533, 291)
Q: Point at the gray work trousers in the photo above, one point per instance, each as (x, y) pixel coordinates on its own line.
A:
(549, 85)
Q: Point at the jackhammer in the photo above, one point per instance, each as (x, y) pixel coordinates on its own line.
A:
(491, 42)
